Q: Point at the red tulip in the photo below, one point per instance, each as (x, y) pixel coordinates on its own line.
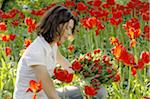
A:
(106, 60)
(117, 51)
(117, 78)
(140, 64)
(145, 56)
(70, 3)
(63, 75)
(76, 66)
(5, 38)
(69, 78)
(146, 33)
(34, 87)
(15, 22)
(28, 21)
(97, 3)
(117, 14)
(22, 16)
(71, 48)
(12, 13)
(120, 7)
(5, 15)
(97, 32)
(31, 24)
(3, 26)
(126, 11)
(40, 12)
(114, 41)
(89, 90)
(12, 36)
(133, 71)
(132, 23)
(31, 28)
(7, 51)
(100, 26)
(74, 13)
(90, 22)
(121, 54)
(96, 51)
(115, 21)
(105, 5)
(109, 71)
(89, 55)
(111, 2)
(90, 2)
(81, 6)
(126, 57)
(130, 5)
(132, 43)
(147, 28)
(27, 42)
(146, 16)
(133, 33)
(96, 60)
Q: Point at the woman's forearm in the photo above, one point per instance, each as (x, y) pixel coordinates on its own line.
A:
(47, 83)
(63, 62)
(49, 89)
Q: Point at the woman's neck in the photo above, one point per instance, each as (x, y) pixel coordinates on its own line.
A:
(53, 43)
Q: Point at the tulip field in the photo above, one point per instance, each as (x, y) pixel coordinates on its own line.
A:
(110, 47)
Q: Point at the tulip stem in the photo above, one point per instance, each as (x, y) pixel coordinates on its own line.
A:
(144, 82)
(95, 38)
(115, 32)
(63, 91)
(122, 73)
(129, 79)
(135, 54)
(81, 90)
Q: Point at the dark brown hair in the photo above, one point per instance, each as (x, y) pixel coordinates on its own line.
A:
(48, 25)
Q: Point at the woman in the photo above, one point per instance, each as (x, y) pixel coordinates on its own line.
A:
(39, 59)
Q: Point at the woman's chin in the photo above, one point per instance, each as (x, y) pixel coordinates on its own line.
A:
(62, 41)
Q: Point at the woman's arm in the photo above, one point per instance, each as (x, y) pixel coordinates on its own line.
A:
(63, 61)
(47, 83)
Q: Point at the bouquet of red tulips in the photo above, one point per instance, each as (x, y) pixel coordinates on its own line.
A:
(63, 75)
(94, 69)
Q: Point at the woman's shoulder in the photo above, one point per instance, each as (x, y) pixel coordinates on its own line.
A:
(35, 47)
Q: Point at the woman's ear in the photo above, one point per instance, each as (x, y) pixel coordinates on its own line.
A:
(65, 26)
(59, 28)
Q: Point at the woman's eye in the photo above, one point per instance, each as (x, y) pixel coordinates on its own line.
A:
(69, 27)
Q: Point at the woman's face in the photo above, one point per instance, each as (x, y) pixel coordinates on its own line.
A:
(67, 30)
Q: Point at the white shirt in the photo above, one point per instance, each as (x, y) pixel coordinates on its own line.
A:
(38, 53)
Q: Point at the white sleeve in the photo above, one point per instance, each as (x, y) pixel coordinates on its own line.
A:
(35, 58)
